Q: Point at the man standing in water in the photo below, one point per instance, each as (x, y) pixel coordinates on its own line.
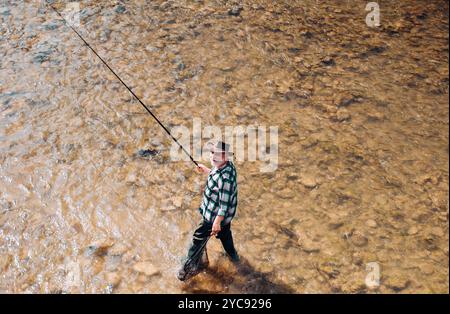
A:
(218, 208)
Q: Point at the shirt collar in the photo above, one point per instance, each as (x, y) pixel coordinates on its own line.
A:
(215, 169)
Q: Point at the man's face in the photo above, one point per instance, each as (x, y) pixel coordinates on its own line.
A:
(217, 158)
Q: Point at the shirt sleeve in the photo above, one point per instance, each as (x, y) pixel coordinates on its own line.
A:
(225, 190)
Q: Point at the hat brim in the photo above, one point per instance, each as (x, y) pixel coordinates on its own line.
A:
(213, 148)
(221, 152)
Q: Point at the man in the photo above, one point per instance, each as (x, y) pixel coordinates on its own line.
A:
(218, 207)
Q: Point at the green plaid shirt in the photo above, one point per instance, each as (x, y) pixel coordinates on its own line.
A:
(220, 195)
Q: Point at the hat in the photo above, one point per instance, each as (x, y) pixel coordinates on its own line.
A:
(220, 147)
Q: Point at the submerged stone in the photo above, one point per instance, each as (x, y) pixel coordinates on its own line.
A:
(359, 240)
(235, 11)
(397, 283)
(146, 268)
(120, 9)
(99, 247)
(51, 26)
(113, 279)
(42, 56)
(328, 61)
(5, 11)
(147, 153)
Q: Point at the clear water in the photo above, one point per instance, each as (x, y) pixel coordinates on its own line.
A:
(362, 113)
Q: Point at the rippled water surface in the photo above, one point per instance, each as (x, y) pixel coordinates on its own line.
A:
(363, 145)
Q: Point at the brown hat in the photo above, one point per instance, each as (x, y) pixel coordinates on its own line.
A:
(220, 147)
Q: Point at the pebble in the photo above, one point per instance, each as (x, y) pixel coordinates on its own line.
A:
(359, 240)
(335, 224)
(423, 179)
(42, 56)
(100, 247)
(113, 279)
(427, 269)
(413, 230)
(5, 260)
(346, 99)
(88, 12)
(265, 268)
(371, 223)
(308, 181)
(146, 268)
(178, 202)
(397, 283)
(341, 115)
(437, 231)
(286, 194)
(131, 177)
(145, 153)
(118, 249)
(377, 49)
(328, 61)
(329, 270)
(120, 9)
(5, 11)
(309, 246)
(51, 26)
(258, 241)
(353, 286)
(375, 116)
(235, 11)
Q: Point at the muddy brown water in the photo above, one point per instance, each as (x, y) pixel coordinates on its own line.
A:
(363, 145)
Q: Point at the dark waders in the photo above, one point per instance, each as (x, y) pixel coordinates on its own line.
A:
(197, 258)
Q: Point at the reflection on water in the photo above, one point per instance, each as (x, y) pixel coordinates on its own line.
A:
(363, 121)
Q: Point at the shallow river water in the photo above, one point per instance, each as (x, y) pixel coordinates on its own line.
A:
(362, 113)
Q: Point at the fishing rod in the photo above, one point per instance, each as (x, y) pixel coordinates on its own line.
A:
(124, 84)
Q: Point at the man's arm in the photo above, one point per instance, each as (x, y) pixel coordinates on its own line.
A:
(216, 225)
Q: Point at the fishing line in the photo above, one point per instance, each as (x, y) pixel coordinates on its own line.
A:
(124, 84)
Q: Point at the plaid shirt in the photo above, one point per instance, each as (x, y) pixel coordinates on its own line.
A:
(220, 195)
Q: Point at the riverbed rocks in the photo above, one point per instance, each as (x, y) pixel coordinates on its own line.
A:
(341, 115)
(308, 245)
(120, 9)
(328, 61)
(118, 249)
(4, 11)
(346, 99)
(178, 202)
(100, 247)
(5, 260)
(113, 279)
(146, 153)
(235, 10)
(42, 56)
(88, 12)
(371, 223)
(397, 282)
(413, 230)
(310, 181)
(286, 193)
(358, 239)
(146, 268)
